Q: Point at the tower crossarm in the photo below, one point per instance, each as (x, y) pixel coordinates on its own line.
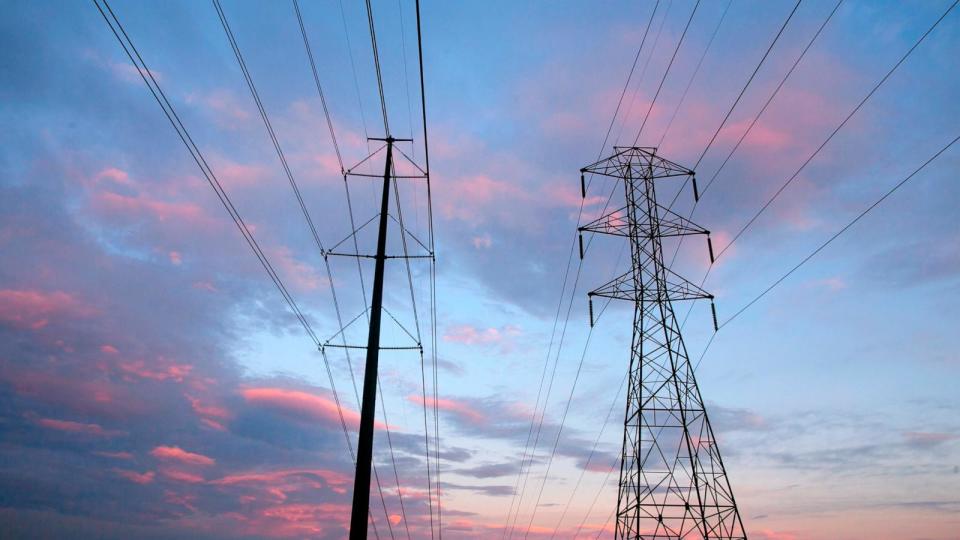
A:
(675, 288)
(637, 159)
(673, 224)
(616, 223)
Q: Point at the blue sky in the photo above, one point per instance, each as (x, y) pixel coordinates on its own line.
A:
(155, 385)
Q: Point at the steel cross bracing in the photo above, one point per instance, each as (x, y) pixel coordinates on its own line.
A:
(672, 480)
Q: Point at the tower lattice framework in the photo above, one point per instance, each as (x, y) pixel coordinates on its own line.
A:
(672, 481)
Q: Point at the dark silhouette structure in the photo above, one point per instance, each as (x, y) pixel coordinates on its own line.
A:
(672, 481)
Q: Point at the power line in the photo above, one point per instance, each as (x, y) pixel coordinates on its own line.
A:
(336, 147)
(406, 71)
(772, 96)
(353, 69)
(846, 227)
(566, 276)
(824, 245)
(316, 79)
(743, 136)
(596, 444)
(596, 497)
(560, 346)
(626, 85)
(433, 295)
(667, 72)
(293, 184)
(393, 460)
(556, 361)
(266, 122)
(376, 63)
(116, 27)
(201, 162)
(604, 526)
(643, 72)
(838, 128)
(546, 400)
(563, 332)
(616, 397)
(744, 89)
(696, 70)
(413, 301)
(746, 132)
(566, 409)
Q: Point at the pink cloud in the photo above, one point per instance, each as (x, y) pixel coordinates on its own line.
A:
(207, 410)
(227, 110)
(328, 164)
(75, 427)
(286, 479)
(134, 207)
(566, 193)
(301, 405)
(459, 408)
(179, 475)
(926, 439)
(303, 275)
(482, 242)
(175, 453)
(115, 175)
(299, 520)
(474, 194)
(721, 242)
(135, 477)
(179, 499)
(86, 397)
(833, 283)
(161, 370)
(596, 466)
(241, 175)
(470, 335)
(280, 490)
(762, 136)
(115, 455)
(175, 257)
(767, 534)
(130, 74)
(205, 286)
(109, 349)
(211, 416)
(482, 188)
(32, 309)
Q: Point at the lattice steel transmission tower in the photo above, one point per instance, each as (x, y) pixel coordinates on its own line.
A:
(672, 480)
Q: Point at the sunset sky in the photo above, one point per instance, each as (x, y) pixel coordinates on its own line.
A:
(154, 384)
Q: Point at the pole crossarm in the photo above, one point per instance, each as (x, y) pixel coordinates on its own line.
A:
(370, 256)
